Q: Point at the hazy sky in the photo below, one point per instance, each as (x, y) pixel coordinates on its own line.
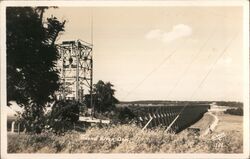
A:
(163, 53)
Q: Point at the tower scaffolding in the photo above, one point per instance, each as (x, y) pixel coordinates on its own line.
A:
(75, 67)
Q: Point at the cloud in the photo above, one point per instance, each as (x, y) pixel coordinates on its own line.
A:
(177, 32)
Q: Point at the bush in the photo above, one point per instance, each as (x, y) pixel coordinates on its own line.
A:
(63, 116)
(125, 115)
(238, 111)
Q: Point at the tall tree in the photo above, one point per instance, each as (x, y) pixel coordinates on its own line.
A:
(104, 99)
(32, 76)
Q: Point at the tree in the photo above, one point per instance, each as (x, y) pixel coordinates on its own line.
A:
(104, 99)
(32, 76)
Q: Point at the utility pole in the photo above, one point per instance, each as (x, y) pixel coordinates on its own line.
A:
(91, 65)
(91, 86)
(77, 71)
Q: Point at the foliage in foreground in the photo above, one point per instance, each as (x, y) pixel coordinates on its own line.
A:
(32, 77)
(124, 139)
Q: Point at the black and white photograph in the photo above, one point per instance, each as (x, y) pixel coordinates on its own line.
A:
(125, 79)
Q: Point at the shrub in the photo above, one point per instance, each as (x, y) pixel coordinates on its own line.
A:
(238, 111)
(62, 116)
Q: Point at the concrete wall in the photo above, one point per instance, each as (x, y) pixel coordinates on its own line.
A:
(165, 115)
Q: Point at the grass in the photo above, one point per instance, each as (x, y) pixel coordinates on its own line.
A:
(228, 123)
(124, 139)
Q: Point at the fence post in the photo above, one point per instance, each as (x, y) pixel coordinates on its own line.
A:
(13, 126)
(18, 128)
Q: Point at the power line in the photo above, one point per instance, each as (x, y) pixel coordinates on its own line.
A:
(150, 73)
(190, 64)
(204, 79)
(213, 65)
(155, 69)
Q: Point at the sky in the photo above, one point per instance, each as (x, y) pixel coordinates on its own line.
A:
(162, 53)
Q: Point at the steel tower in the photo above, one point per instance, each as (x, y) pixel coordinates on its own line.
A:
(75, 65)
